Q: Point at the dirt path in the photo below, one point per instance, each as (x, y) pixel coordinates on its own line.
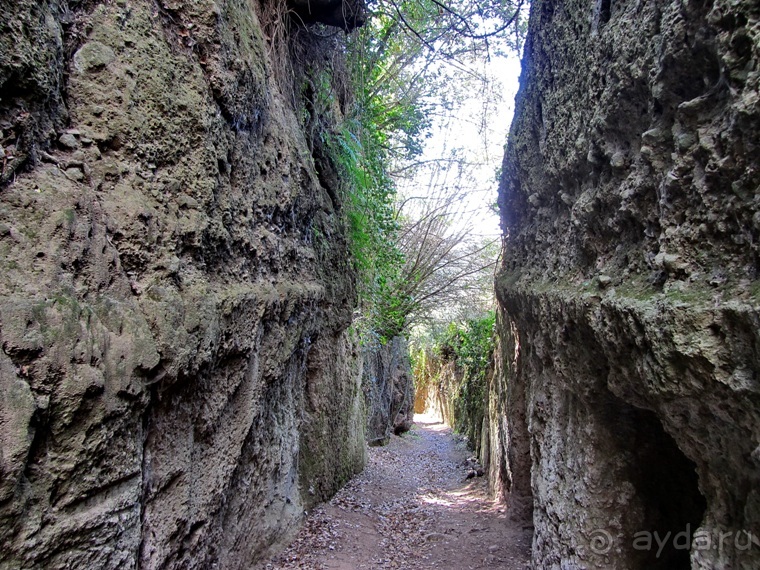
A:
(412, 508)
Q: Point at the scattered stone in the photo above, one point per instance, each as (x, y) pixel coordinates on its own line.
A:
(653, 136)
(74, 173)
(718, 278)
(68, 141)
(604, 281)
(618, 160)
(685, 141)
(93, 56)
(668, 261)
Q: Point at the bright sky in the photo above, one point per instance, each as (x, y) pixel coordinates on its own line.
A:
(477, 128)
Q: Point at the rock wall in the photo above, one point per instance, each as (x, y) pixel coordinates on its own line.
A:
(436, 388)
(628, 398)
(446, 388)
(175, 287)
(388, 387)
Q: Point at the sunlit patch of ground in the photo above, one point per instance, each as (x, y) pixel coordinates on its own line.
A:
(411, 509)
(430, 422)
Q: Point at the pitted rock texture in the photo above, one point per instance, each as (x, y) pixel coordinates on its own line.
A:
(628, 397)
(165, 311)
(388, 387)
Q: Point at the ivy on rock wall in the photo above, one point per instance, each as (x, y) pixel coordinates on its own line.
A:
(451, 374)
(386, 88)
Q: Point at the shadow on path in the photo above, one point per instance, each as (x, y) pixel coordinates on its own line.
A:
(412, 508)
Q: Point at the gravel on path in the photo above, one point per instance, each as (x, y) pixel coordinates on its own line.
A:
(412, 508)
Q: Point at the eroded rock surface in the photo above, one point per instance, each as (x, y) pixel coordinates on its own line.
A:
(388, 389)
(628, 398)
(166, 313)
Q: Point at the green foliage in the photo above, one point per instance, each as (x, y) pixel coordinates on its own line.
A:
(456, 363)
(474, 354)
(471, 344)
(352, 132)
(390, 92)
(381, 126)
(358, 151)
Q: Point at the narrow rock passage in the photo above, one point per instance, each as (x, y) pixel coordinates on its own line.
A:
(412, 508)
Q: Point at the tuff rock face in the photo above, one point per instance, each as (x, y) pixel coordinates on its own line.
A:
(166, 314)
(388, 387)
(628, 394)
